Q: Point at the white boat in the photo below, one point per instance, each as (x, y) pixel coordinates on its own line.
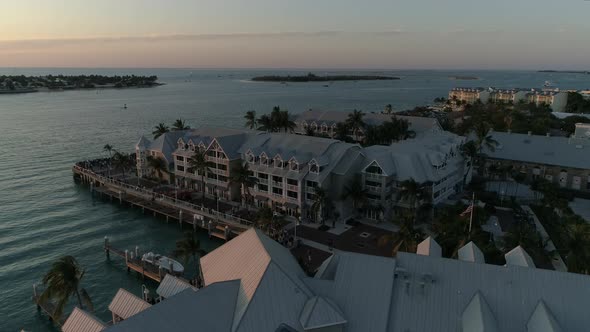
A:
(166, 263)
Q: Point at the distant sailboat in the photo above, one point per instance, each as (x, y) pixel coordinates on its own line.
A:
(124, 106)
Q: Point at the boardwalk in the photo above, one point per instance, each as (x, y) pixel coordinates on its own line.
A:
(218, 224)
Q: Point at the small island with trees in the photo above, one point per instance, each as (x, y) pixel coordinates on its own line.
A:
(26, 84)
(328, 78)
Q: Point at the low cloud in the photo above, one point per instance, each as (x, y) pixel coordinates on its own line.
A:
(63, 42)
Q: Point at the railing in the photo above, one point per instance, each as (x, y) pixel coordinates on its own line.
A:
(262, 181)
(277, 184)
(374, 175)
(277, 195)
(211, 213)
(291, 187)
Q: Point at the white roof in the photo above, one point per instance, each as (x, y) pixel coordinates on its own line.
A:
(429, 247)
(319, 312)
(125, 304)
(542, 320)
(519, 257)
(269, 277)
(471, 253)
(171, 286)
(478, 317)
(82, 321)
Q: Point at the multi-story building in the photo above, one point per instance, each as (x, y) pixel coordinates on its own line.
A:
(287, 169)
(324, 122)
(434, 162)
(470, 95)
(561, 160)
(556, 99)
(508, 96)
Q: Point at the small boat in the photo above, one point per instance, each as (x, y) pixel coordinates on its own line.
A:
(164, 262)
(124, 106)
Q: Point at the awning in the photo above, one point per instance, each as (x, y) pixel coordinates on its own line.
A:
(291, 206)
(261, 198)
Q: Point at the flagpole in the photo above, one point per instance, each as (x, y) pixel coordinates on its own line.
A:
(471, 216)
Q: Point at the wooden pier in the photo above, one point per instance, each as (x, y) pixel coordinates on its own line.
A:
(217, 224)
(134, 262)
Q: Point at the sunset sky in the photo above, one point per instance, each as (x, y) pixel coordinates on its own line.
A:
(405, 34)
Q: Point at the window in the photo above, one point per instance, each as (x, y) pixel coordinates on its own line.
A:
(212, 153)
(277, 191)
(292, 182)
(222, 167)
(313, 168)
(373, 169)
(180, 158)
(263, 176)
(372, 196)
(222, 178)
(263, 187)
(180, 168)
(311, 184)
(294, 166)
(250, 158)
(263, 160)
(292, 194)
(277, 179)
(373, 183)
(310, 196)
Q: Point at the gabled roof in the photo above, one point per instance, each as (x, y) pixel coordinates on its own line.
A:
(429, 247)
(471, 253)
(208, 309)
(143, 143)
(269, 276)
(171, 286)
(125, 304)
(478, 317)
(519, 257)
(80, 320)
(319, 312)
(542, 320)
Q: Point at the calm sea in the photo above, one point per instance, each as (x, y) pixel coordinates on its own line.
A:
(44, 215)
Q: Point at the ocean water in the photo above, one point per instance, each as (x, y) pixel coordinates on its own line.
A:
(44, 214)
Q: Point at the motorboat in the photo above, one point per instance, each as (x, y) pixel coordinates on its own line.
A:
(164, 262)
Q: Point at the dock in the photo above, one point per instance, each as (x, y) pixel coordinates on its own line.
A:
(133, 262)
(218, 224)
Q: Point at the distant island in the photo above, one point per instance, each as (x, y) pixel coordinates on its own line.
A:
(463, 77)
(565, 71)
(26, 84)
(315, 78)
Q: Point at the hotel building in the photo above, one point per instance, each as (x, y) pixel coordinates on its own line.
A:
(470, 95)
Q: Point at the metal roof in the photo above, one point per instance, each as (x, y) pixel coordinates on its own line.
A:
(471, 253)
(552, 150)
(171, 286)
(209, 309)
(542, 320)
(478, 317)
(125, 304)
(429, 247)
(82, 321)
(511, 292)
(319, 312)
(519, 257)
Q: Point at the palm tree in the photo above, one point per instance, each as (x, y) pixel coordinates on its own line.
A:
(309, 131)
(320, 201)
(469, 151)
(341, 132)
(265, 123)
(264, 218)
(158, 165)
(121, 161)
(355, 191)
(62, 282)
(160, 130)
(524, 235)
(109, 148)
(179, 124)
(355, 122)
(198, 164)
(242, 175)
(406, 238)
(484, 139)
(189, 247)
(577, 248)
(251, 119)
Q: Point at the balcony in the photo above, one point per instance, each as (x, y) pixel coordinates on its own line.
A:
(291, 187)
(277, 195)
(374, 176)
(262, 181)
(277, 184)
(376, 189)
(219, 171)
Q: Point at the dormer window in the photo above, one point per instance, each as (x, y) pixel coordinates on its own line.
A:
(294, 166)
(250, 157)
(263, 160)
(314, 168)
(181, 144)
(278, 162)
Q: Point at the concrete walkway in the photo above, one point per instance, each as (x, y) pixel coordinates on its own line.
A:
(557, 261)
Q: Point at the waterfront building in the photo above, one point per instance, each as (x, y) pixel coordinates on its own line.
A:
(556, 99)
(470, 95)
(434, 162)
(508, 96)
(325, 122)
(286, 169)
(254, 284)
(561, 160)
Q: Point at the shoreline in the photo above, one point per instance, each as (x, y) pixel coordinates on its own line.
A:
(101, 87)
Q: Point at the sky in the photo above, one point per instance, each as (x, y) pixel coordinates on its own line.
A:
(372, 34)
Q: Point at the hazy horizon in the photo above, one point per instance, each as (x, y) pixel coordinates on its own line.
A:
(281, 34)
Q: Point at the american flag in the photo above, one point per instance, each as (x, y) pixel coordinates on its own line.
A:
(467, 211)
